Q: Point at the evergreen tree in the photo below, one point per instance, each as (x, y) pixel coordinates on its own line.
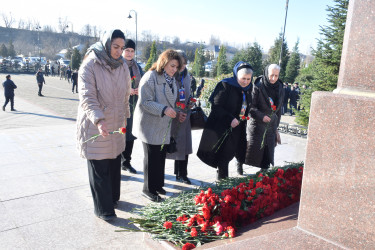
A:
(293, 65)
(198, 65)
(3, 50)
(253, 55)
(76, 59)
(274, 55)
(222, 64)
(152, 57)
(11, 51)
(322, 73)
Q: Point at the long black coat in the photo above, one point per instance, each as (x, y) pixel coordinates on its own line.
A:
(255, 126)
(226, 106)
(9, 87)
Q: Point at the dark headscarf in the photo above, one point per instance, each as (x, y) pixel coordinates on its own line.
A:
(271, 89)
(233, 80)
(102, 48)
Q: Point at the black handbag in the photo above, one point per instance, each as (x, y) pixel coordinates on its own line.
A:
(172, 146)
(197, 118)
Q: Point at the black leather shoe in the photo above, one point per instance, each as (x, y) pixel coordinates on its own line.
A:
(186, 180)
(161, 191)
(152, 197)
(183, 179)
(129, 168)
(108, 217)
(13, 110)
(3, 108)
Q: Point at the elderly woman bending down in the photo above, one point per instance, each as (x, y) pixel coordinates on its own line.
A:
(231, 102)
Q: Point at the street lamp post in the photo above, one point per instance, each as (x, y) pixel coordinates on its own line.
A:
(136, 39)
(40, 57)
(282, 41)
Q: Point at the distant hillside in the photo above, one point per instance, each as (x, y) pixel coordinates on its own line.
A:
(26, 41)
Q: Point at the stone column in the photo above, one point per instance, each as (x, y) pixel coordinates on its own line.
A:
(338, 190)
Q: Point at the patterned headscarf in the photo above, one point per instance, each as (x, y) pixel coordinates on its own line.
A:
(102, 48)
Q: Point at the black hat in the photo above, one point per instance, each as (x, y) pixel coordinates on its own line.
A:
(7, 77)
(129, 44)
(117, 34)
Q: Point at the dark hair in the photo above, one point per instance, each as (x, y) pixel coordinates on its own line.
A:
(117, 34)
(7, 77)
(164, 59)
(129, 44)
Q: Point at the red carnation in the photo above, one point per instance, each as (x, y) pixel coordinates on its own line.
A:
(182, 105)
(168, 225)
(194, 232)
(273, 107)
(122, 130)
(248, 118)
(133, 77)
(188, 246)
(193, 100)
(243, 117)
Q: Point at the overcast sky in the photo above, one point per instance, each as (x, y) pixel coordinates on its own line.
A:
(236, 22)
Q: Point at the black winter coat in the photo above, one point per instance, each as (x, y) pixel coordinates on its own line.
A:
(255, 126)
(9, 87)
(226, 106)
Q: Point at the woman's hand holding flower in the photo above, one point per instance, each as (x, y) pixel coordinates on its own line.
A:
(181, 116)
(266, 119)
(102, 126)
(170, 112)
(234, 123)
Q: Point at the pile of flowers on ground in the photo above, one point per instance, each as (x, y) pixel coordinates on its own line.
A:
(210, 213)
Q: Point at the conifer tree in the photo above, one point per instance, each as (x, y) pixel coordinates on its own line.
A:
(152, 57)
(3, 50)
(322, 73)
(253, 55)
(293, 65)
(274, 55)
(198, 65)
(11, 51)
(76, 59)
(222, 64)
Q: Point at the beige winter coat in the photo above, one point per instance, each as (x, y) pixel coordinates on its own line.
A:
(103, 94)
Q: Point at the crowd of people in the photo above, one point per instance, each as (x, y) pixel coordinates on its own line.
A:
(155, 108)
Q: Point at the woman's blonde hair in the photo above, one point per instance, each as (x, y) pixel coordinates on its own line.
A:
(164, 59)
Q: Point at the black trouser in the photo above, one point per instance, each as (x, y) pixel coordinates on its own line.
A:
(265, 163)
(153, 167)
(40, 85)
(126, 155)
(180, 167)
(222, 170)
(74, 85)
(11, 99)
(105, 183)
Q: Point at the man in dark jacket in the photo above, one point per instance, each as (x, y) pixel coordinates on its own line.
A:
(9, 87)
(75, 80)
(40, 80)
(193, 85)
(286, 98)
(69, 73)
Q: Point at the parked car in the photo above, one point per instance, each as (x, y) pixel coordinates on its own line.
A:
(64, 62)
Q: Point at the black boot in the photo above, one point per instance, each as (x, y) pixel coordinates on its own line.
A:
(222, 172)
(239, 168)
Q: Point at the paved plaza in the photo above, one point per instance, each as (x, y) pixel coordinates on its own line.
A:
(45, 196)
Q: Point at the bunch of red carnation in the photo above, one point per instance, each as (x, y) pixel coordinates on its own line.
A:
(243, 204)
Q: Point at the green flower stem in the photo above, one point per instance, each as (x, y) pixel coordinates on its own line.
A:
(222, 139)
